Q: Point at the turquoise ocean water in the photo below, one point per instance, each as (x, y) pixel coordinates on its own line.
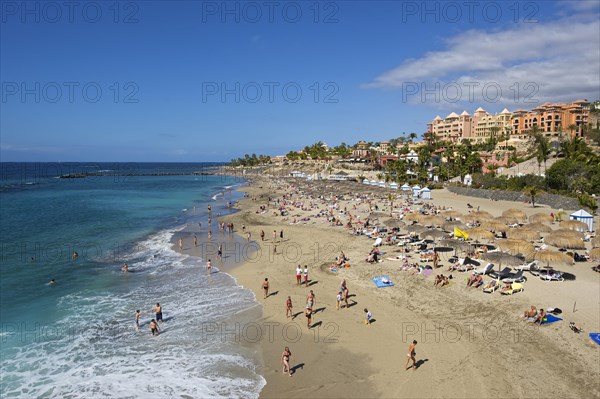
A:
(76, 338)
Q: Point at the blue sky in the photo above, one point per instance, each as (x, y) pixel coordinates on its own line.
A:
(210, 81)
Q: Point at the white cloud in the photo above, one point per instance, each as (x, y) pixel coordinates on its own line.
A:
(559, 60)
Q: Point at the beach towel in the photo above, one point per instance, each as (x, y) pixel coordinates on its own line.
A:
(550, 318)
(595, 337)
(379, 281)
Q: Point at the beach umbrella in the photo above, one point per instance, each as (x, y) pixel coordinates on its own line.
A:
(514, 246)
(479, 233)
(537, 226)
(394, 223)
(414, 217)
(540, 218)
(595, 254)
(480, 215)
(496, 225)
(377, 214)
(515, 213)
(507, 220)
(502, 258)
(455, 244)
(434, 234)
(564, 241)
(573, 225)
(596, 242)
(523, 234)
(449, 226)
(452, 214)
(415, 228)
(432, 220)
(551, 257)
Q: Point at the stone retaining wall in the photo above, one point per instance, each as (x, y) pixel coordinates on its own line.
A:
(552, 200)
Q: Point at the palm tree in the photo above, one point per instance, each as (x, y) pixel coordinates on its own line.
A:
(532, 192)
(391, 198)
(542, 149)
(572, 128)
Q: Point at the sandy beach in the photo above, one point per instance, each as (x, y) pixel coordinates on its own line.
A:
(470, 344)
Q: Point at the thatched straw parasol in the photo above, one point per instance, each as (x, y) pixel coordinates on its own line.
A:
(479, 233)
(573, 225)
(415, 228)
(568, 233)
(496, 225)
(393, 223)
(414, 217)
(480, 215)
(540, 218)
(541, 227)
(456, 244)
(449, 226)
(564, 241)
(524, 234)
(548, 257)
(432, 220)
(502, 258)
(507, 220)
(452, 214)
(434, 234)
(515, 247)
(595, 254)
(515, 213)
(596, 242)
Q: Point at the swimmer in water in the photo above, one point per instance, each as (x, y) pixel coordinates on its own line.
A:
(125, 268)
(52, 282)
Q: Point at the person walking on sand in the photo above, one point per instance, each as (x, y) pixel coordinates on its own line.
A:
(308, 314)
(248, 236)
(262, 235)
(281, 235)
(306, 275)
(299, 275)
(310, 299)
(411, 355)
(209, 266)
(195, 240)
(368, 317)
(285, 360)
(154, 329)
(220, 251)
(288, 307)
(274, 235)
(265, 286)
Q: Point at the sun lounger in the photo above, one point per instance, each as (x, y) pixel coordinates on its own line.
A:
(551, 275)
(484, 270)
(515, 277)
(514, 288)
(528, 266)
(501, 274)
(491, 286)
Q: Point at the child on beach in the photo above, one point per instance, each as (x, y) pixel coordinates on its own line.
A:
(338, 300)
(368, 317)
(265, 286)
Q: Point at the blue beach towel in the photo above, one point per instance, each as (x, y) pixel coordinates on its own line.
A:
(550, 318)
(379, 282)
(595, 337)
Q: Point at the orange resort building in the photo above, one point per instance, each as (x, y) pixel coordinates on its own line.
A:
(551, 119)
(476, 128)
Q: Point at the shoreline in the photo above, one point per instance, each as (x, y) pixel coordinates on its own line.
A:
(341, 357)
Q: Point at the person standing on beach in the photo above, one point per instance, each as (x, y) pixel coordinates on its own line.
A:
(281, 235)
(274, 235)
(308, 314)
(195, 240)
(180, 244)
(262, 235)
(285, 360)
(299, 275)
(346, 297)
(411, 355)
(288, 307)
(338, 300)
(220, 251)
(306, 275)
(248, 236)
(265, 286)
(436, 259)
(368, 317)
(209, 266)
(310, 299)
